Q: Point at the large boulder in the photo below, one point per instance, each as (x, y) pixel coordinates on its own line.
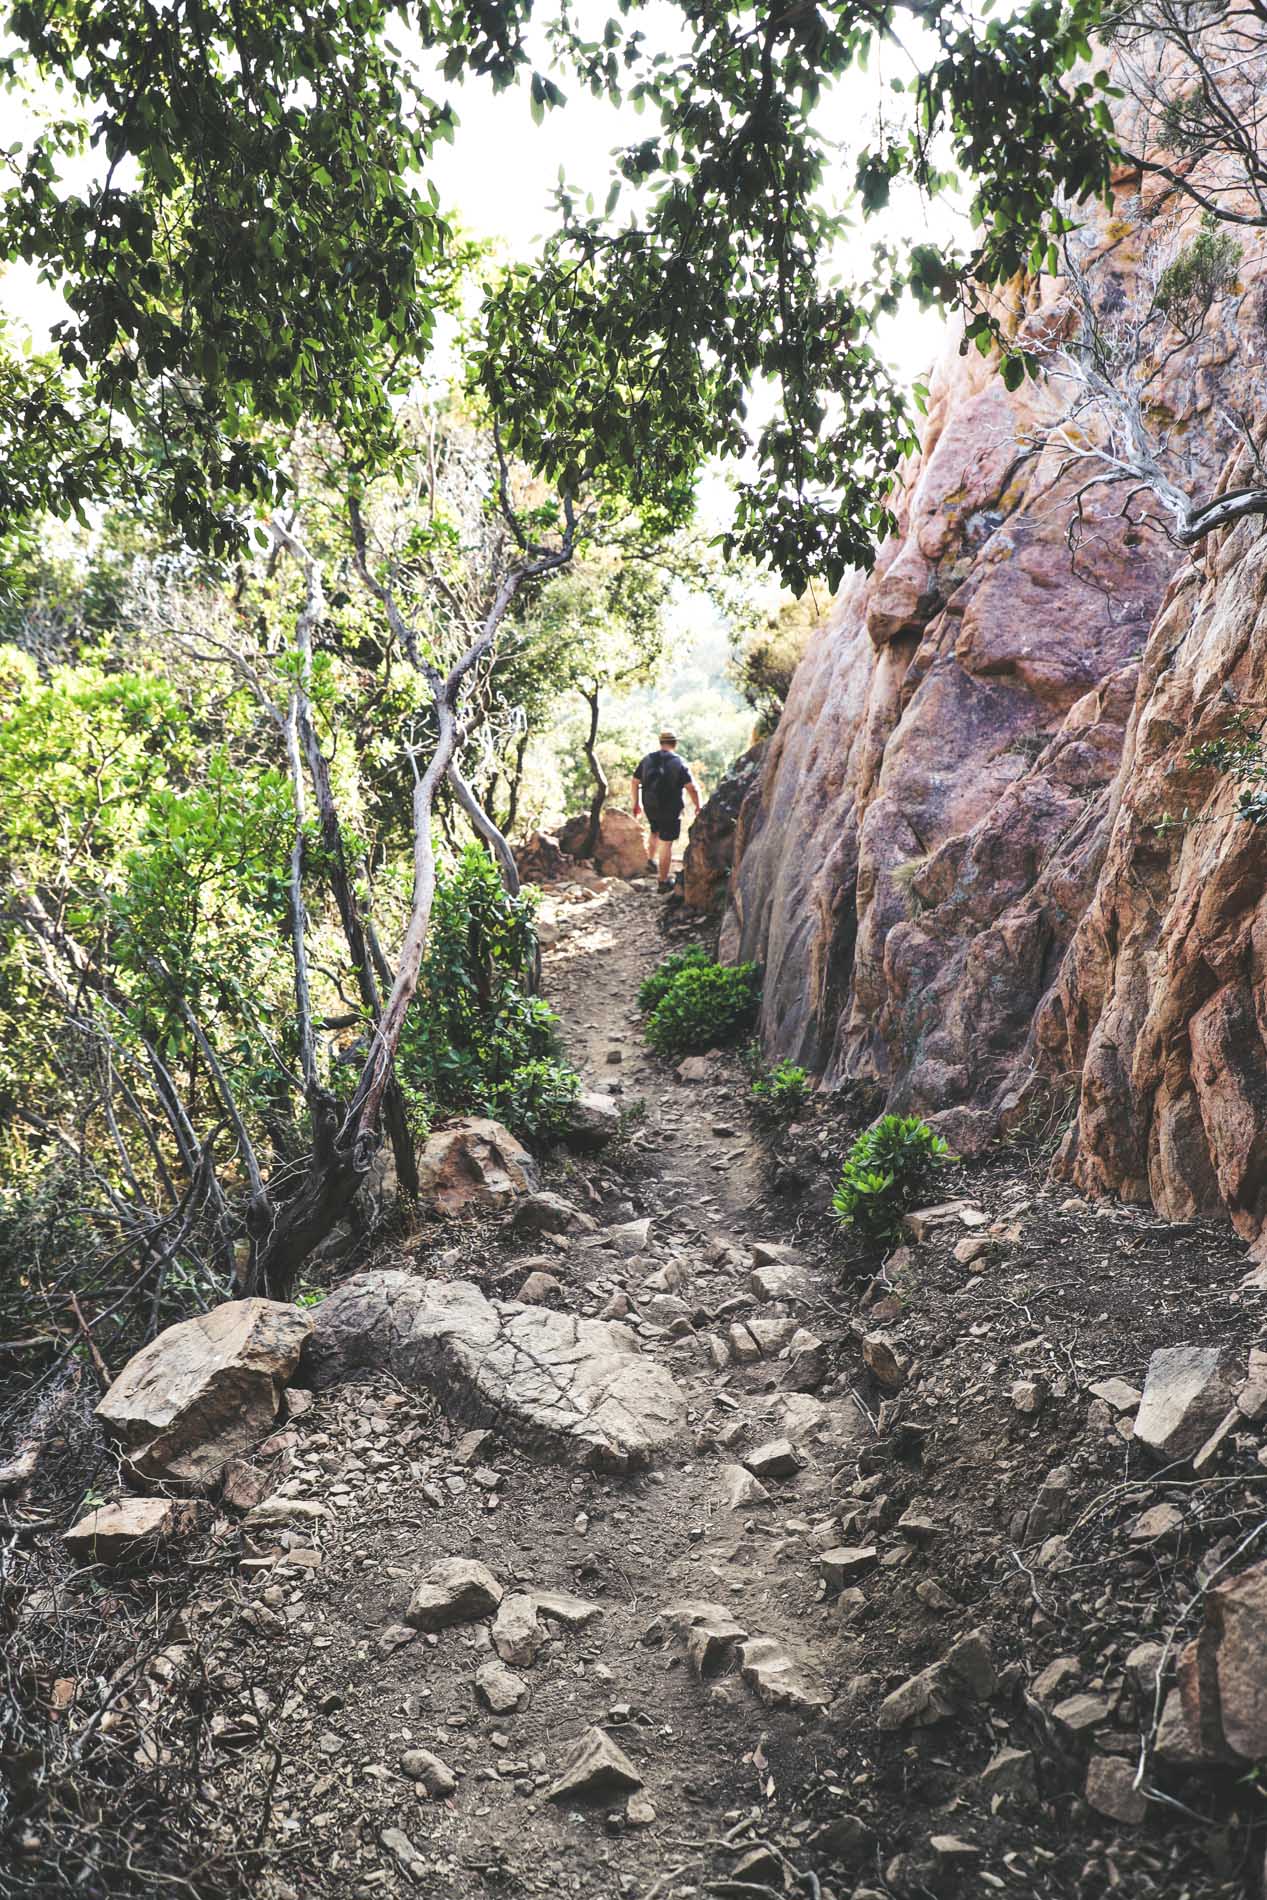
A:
(622, 843)
(474, 1167)
(205, 1390)
(573, 1389)
(710, 849)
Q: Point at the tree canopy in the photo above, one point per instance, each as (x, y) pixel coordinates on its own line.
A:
(233, 198)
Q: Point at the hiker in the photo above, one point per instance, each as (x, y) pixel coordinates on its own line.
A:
(658, 784)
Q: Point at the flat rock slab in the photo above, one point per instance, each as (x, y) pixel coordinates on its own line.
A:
(573, 1389)
(205, 1390)
(126, 1528)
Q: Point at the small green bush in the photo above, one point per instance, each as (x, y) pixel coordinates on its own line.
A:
(705, 1005)
(889, 1169)
(781, 1092)
(653, 987)
(536, 1102)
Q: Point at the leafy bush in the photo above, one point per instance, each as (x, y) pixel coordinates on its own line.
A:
(653, 987)
(705, 1004)
(781, 1092)
(889, 1169)
(477, 1041)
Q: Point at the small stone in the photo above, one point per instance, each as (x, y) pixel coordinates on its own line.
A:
(778, 1458)
(596, 1767)
(405, 1854)
(774, 1678)
(540, 1289)
(807, 1362)
(846, 1563)
(1055, 1678)
(457, 1590)
(741, 1490)
(1160, 1523)
(781, 1280)
(499, 1688)
(1118, 1394)
(1252, 1397)
(394, 1637)
(517, 1631)
(1028, 1396)
(886, 1365)
(434, 1775)
(949, 1847)
(279, 1510)
(971, 1250)
(922, 1223)
(639, 1811)
(1010, 1773)
(1079, 1714)
(572, 1613)
(1111, 1790)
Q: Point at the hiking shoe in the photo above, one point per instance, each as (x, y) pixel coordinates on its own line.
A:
(665, 885)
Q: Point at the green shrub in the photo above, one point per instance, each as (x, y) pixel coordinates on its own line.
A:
(476, 1040)
(889, 1169)
(653, 987)
(704, 1006)
(536, 1102)
(781, 1092)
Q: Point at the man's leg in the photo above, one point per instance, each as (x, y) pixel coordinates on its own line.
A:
(664, 858)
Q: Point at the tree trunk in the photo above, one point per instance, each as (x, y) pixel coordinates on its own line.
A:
(599, 798)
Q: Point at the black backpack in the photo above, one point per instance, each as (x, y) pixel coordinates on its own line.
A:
(662, 776)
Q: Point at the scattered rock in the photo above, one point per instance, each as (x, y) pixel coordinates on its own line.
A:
(1236, 1627)
(886, 1365)
(639, 1811)
(457, 1590)
(846, 1563)
(475, 1166)
(1159, 1524)
(1080, 1714)
(550, 1214)
(571, 1613)
(1010, 1774)
(807, 1362)
(781, 1280)
(779, 1458)
(1252, 1397)
(540, 1289)
(695, 1069)
(1028, 1396)
(204, 1390)
(922, 1223)
(574, 1388)
(1111, 1790)
(593, 1121)
(773, 1677)
(621, 849)
(740, 1489)
(433, 1774)
(1188, 1391)
(1052, 1681)
(499, 1688)
(1118, 1394)
(517, 1632)
(405, 1854)
(595, 1767)
(126, 1528)
(965, 1674)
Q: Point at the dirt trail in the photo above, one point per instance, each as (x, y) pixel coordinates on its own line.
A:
(916, 1714)
(403, 1489)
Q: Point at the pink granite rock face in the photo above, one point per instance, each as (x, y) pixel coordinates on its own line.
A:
(1159, 1005)
(934, 812)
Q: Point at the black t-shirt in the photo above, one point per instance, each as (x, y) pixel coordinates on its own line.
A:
(663, 778)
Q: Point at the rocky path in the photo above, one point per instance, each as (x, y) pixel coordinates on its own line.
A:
(882, 1613)
(665, 1626)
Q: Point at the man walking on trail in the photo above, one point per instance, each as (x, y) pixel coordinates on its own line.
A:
(658, 784)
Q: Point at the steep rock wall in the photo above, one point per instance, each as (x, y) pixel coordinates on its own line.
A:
(1161, 1003)
(933, 813)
